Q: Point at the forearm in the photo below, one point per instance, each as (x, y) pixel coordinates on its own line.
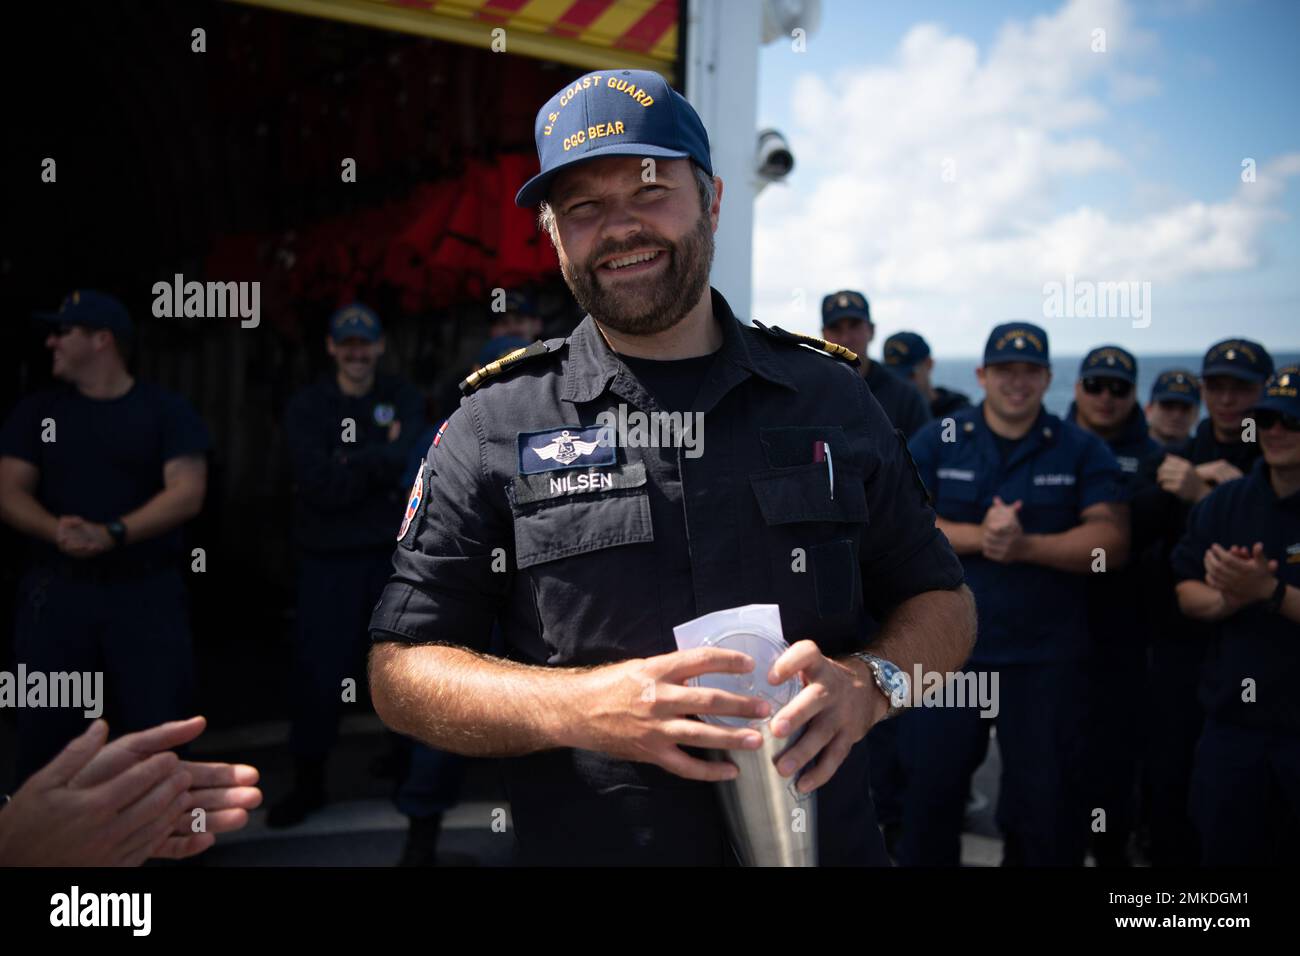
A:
(934, 630)
(1290, 608)
(472, 704)
(1198, 600)
(1073, 551)
(161, 513)
(20, 510)
(964, 538)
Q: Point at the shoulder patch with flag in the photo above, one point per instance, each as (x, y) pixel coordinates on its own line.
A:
(413, 501)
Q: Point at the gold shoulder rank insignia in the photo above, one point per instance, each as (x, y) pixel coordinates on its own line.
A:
(798, 338)
(477, 378)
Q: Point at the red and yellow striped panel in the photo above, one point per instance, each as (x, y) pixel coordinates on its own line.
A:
(594, 33)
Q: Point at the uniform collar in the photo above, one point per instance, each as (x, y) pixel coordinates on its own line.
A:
(593, 365)
(1046, 431)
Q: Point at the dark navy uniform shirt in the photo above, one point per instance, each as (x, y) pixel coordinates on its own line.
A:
(106, 460)
(608, 548)
(902, 401)
(1027, 612)
(1253, 643)
(348, 495)
(1117, 599)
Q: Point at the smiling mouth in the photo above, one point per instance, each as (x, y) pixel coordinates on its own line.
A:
(632, 261)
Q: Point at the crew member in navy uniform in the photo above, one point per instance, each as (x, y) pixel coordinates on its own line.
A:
(1232, 379)
(846, 321)
(1029, 502)
(590, 546)
(1105, 405)
(908, 355)
(1239, 567)
(1174, 407)
(101, 472)
(349, 436)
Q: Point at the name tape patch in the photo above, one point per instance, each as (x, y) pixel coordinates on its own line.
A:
(530, 488)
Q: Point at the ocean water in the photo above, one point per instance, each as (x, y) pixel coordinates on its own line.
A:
(959, 375)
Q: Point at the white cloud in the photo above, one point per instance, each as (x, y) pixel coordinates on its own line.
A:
(934, 182)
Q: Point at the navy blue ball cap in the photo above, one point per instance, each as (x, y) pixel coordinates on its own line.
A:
(1110, 361)
(1238, 358)
(1282, 392)
(1017, 342)
(517, 301)
(1176, 385)
(355, 321)
(845, 304)
(614, 113)
(93, 310)
(905, 350)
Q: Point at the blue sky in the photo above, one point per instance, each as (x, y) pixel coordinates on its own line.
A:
(1122, 165)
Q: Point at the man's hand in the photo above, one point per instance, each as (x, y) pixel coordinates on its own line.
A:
(1179, 477)
(1218, 472)
(1244, 576)
(394, 430)
(79, 538)
(839, 703)
(225, 792)
(118, 822)
(122, 803)
(1003, 536)
(642, 710)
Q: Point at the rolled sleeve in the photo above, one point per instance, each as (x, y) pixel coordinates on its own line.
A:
(452, 567)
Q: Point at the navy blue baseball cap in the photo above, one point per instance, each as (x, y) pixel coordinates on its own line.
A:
(1238, 358)
(355, 321)
(519, 301)
(1110, 361)
(905, 350)
(845, 304)
(1017, 342)
(93, 310)
(1282, 392)
(1176, 385)
(614, 113)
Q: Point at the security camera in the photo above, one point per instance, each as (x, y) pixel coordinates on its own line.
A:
(774, 159)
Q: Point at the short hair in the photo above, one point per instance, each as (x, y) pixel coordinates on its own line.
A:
(703, 183)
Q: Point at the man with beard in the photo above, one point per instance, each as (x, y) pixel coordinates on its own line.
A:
(350, 435)
(587, 578)
(1105, 404)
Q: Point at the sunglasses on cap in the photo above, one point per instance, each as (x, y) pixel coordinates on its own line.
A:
(1266, 418)
(1116, 386)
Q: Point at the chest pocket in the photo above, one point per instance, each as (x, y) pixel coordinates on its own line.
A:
(579, 524)
(814, 541)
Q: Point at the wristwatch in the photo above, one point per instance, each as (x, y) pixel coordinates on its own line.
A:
(891, 679)
(117, 531)
(1274, 603)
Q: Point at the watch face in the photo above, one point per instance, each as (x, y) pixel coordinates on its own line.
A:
(900, 686)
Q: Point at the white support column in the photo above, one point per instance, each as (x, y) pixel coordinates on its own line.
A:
(722, 41)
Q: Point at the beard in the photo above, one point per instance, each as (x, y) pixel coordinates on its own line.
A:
(654, 303)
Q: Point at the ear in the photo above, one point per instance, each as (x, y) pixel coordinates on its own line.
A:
(715, 211)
